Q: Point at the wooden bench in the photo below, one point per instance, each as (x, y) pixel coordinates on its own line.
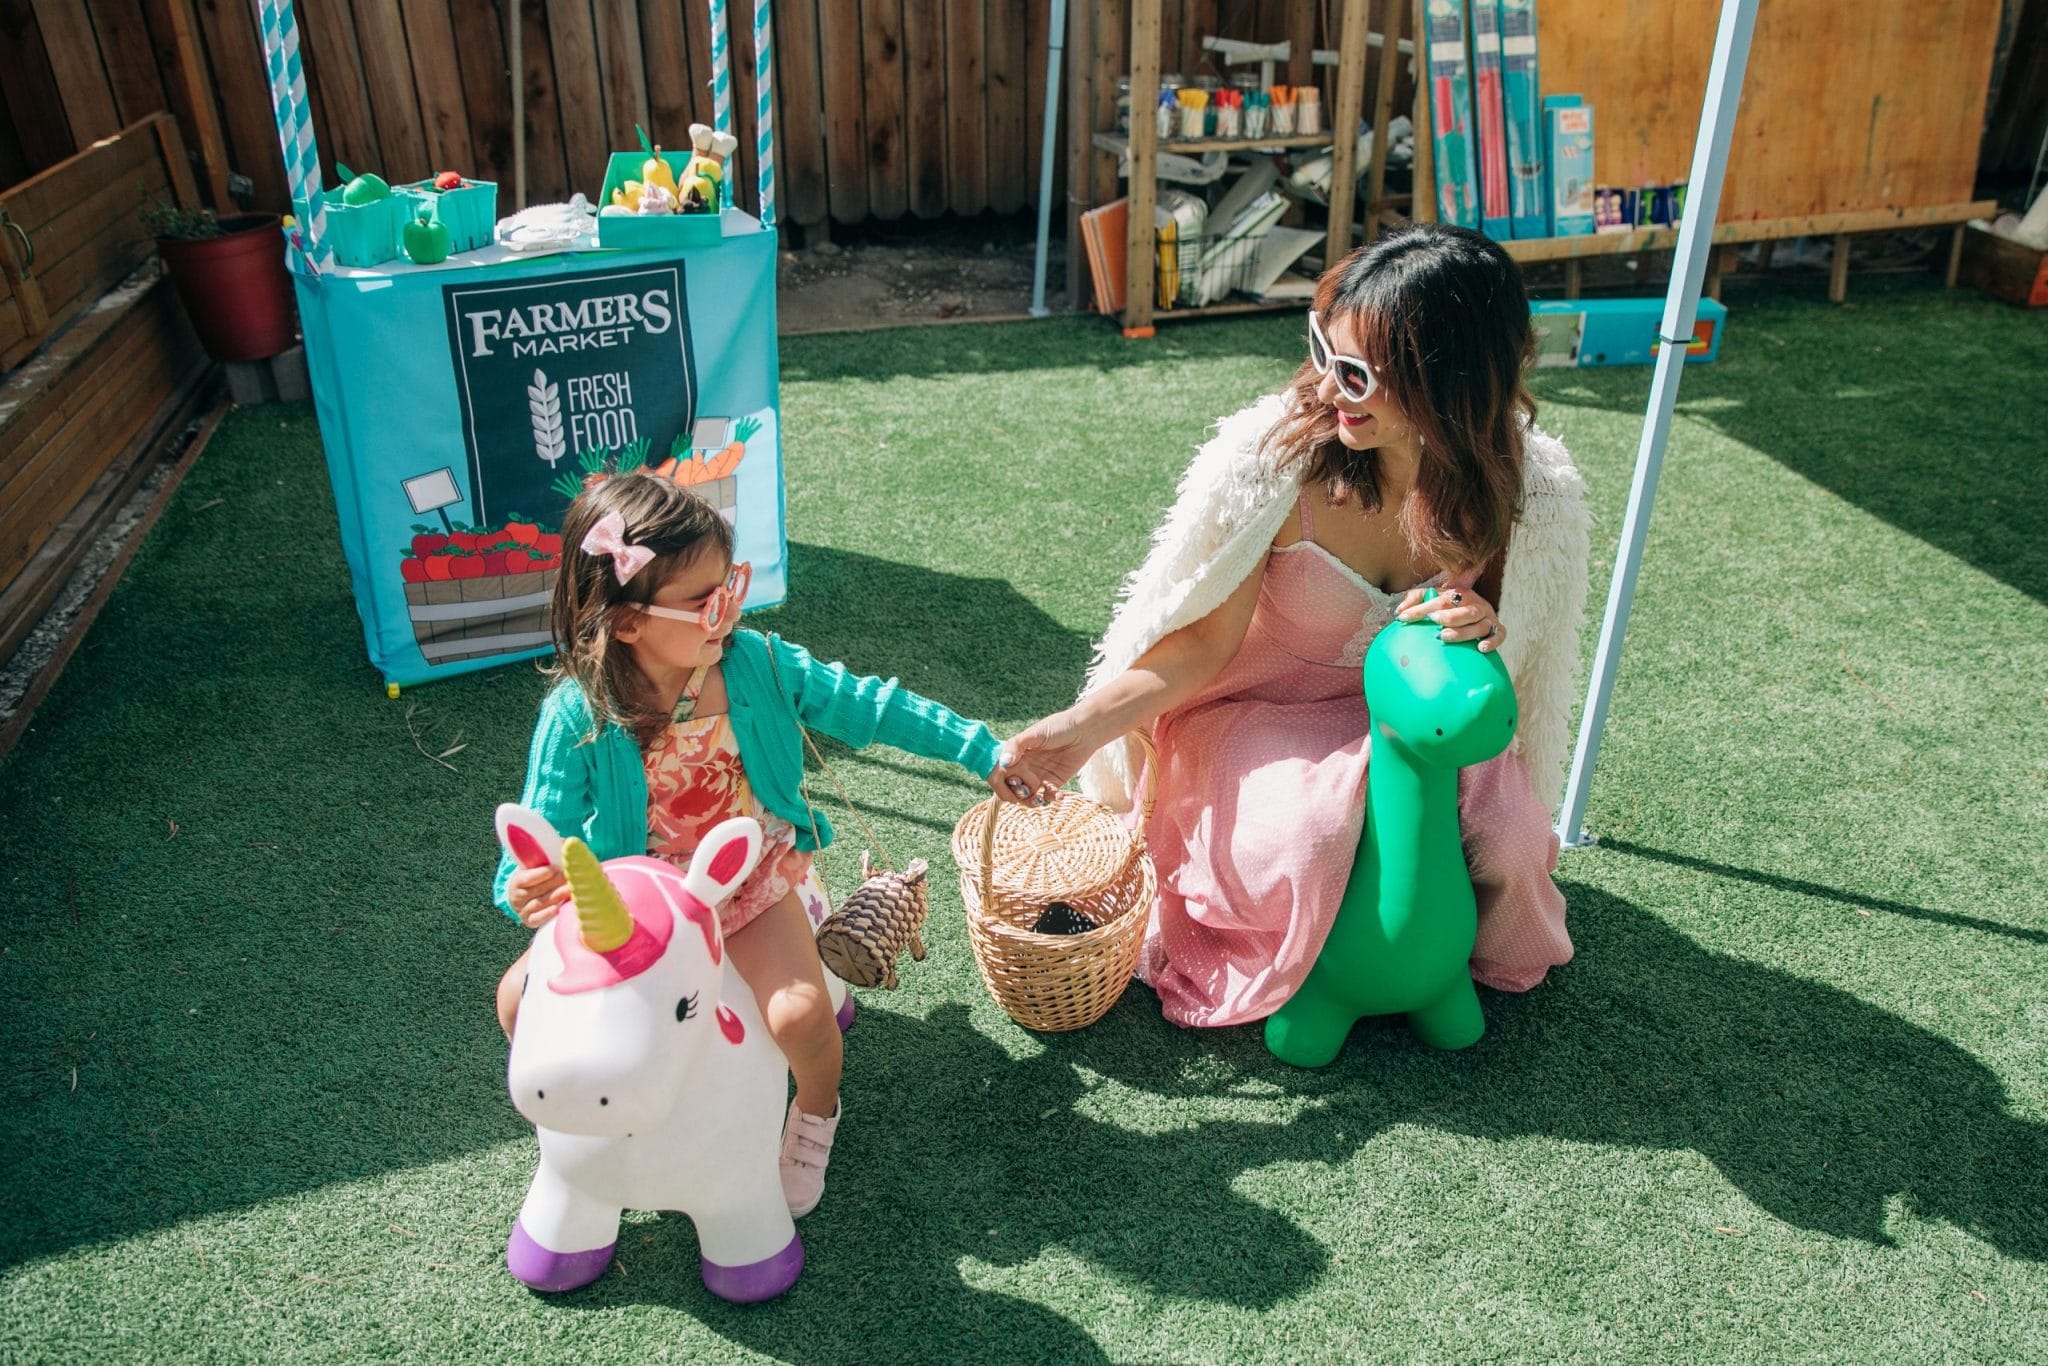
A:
(98, 365)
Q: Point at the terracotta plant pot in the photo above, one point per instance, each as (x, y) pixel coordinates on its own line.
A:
(235, 288)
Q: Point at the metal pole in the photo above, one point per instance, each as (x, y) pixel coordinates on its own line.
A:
(1055, 39)
(1681, 307)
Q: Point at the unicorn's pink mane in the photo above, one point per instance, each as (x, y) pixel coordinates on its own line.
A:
(653, 893)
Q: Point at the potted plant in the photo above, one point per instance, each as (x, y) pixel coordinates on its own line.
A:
(230, 274)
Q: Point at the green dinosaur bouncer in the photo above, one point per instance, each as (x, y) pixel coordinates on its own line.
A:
(1403, 934)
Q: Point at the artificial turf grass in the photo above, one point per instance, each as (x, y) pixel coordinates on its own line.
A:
(1789, 1095)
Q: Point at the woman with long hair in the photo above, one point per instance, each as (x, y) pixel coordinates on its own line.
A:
(1403, 456)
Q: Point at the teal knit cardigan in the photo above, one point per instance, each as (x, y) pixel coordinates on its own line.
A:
(597, 788)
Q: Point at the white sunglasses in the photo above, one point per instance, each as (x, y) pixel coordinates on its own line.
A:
(1355, 379)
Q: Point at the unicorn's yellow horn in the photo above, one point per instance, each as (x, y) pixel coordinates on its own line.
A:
(601, 916)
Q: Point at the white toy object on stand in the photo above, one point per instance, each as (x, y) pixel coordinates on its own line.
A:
(642, 1061)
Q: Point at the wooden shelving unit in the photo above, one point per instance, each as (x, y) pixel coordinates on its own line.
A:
(1140, 315)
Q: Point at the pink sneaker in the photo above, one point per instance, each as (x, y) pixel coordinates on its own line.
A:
(806, 1148)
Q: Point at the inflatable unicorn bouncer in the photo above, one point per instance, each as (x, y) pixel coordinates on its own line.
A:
(642, 1062)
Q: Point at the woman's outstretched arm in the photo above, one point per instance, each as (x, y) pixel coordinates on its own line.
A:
(1045, 756)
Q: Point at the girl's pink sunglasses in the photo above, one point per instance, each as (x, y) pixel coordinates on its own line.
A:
(723, 604)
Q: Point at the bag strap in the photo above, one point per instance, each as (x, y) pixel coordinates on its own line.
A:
(803, 784)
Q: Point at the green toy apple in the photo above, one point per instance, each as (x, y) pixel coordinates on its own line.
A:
(426, 238)
(361, 189)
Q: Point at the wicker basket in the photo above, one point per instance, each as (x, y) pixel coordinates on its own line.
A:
(1015, 861)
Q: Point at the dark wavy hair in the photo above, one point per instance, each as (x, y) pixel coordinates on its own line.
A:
(1443, 320)
(678, 527)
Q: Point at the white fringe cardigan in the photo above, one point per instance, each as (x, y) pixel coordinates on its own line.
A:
(1232, 503)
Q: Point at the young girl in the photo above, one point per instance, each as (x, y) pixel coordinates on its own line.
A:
(665, 720)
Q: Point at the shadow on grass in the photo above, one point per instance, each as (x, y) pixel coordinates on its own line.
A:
(1819, 1107)
(975, 644)
(1923, 410)
(1815, 889)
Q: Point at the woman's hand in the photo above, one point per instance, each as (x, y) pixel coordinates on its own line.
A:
(1462, 613)
(536, 894)
(1040, 760)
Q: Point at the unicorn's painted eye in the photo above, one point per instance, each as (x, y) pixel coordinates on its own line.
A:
(685, 1008)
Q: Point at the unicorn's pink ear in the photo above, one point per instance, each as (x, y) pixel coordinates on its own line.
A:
(531, 841)
(723, 859)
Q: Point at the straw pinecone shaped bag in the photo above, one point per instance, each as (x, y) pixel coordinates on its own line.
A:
(862, 940)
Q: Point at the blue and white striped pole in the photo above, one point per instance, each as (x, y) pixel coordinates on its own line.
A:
(721, 90)
(764, 109)
(1681, 309)
(295, 127)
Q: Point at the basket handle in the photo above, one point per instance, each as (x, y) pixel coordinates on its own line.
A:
(1150, 751)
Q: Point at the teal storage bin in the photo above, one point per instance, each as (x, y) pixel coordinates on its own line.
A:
(470, 213)
(655, 229)
(368, 234)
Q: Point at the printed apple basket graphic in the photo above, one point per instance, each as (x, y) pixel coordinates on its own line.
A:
(477, 591)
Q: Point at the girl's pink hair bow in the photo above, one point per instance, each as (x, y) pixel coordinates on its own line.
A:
(608, 537)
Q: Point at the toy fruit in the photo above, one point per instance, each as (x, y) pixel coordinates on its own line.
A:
(361, 189)
(426, 238)
(628, 198)
(705, 172)
(448, 180)
(654, 170)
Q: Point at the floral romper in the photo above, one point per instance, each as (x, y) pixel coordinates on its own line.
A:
(694, 781)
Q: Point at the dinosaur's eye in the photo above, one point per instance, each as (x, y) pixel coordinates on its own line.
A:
(685, 1008)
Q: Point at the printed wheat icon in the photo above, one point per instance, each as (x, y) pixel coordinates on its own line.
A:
(544, 402)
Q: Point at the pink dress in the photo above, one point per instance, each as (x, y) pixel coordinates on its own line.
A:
(694, 781)
(1261, 799)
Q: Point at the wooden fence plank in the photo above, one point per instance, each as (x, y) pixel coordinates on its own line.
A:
(966, 111)
(1038, 13)
(799, 113)
(1112, 39)
(839, 57)
(188, 87)
(242, 79)
(29, 88)
(1006, 86)
(586, 140)
(394, 103)
(1079, 98)
(437, 76)
(1201, 20)
(1301, 33)
(622, 68)
(130, 59)
(881, 60)
(697, 20)
(924, 105)
(335, 68)
(486, 96)
(665, 48)
(81, 77)
(548, 179)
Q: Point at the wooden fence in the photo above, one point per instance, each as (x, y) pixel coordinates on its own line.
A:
(886, 108)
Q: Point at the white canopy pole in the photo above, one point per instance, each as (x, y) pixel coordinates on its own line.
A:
(1681, 307)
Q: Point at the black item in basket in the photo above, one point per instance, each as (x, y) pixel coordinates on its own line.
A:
(1060, 918)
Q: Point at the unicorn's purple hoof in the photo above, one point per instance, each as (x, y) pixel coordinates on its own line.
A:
(845, 1016)
(756, 1281)
(534, 1265)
